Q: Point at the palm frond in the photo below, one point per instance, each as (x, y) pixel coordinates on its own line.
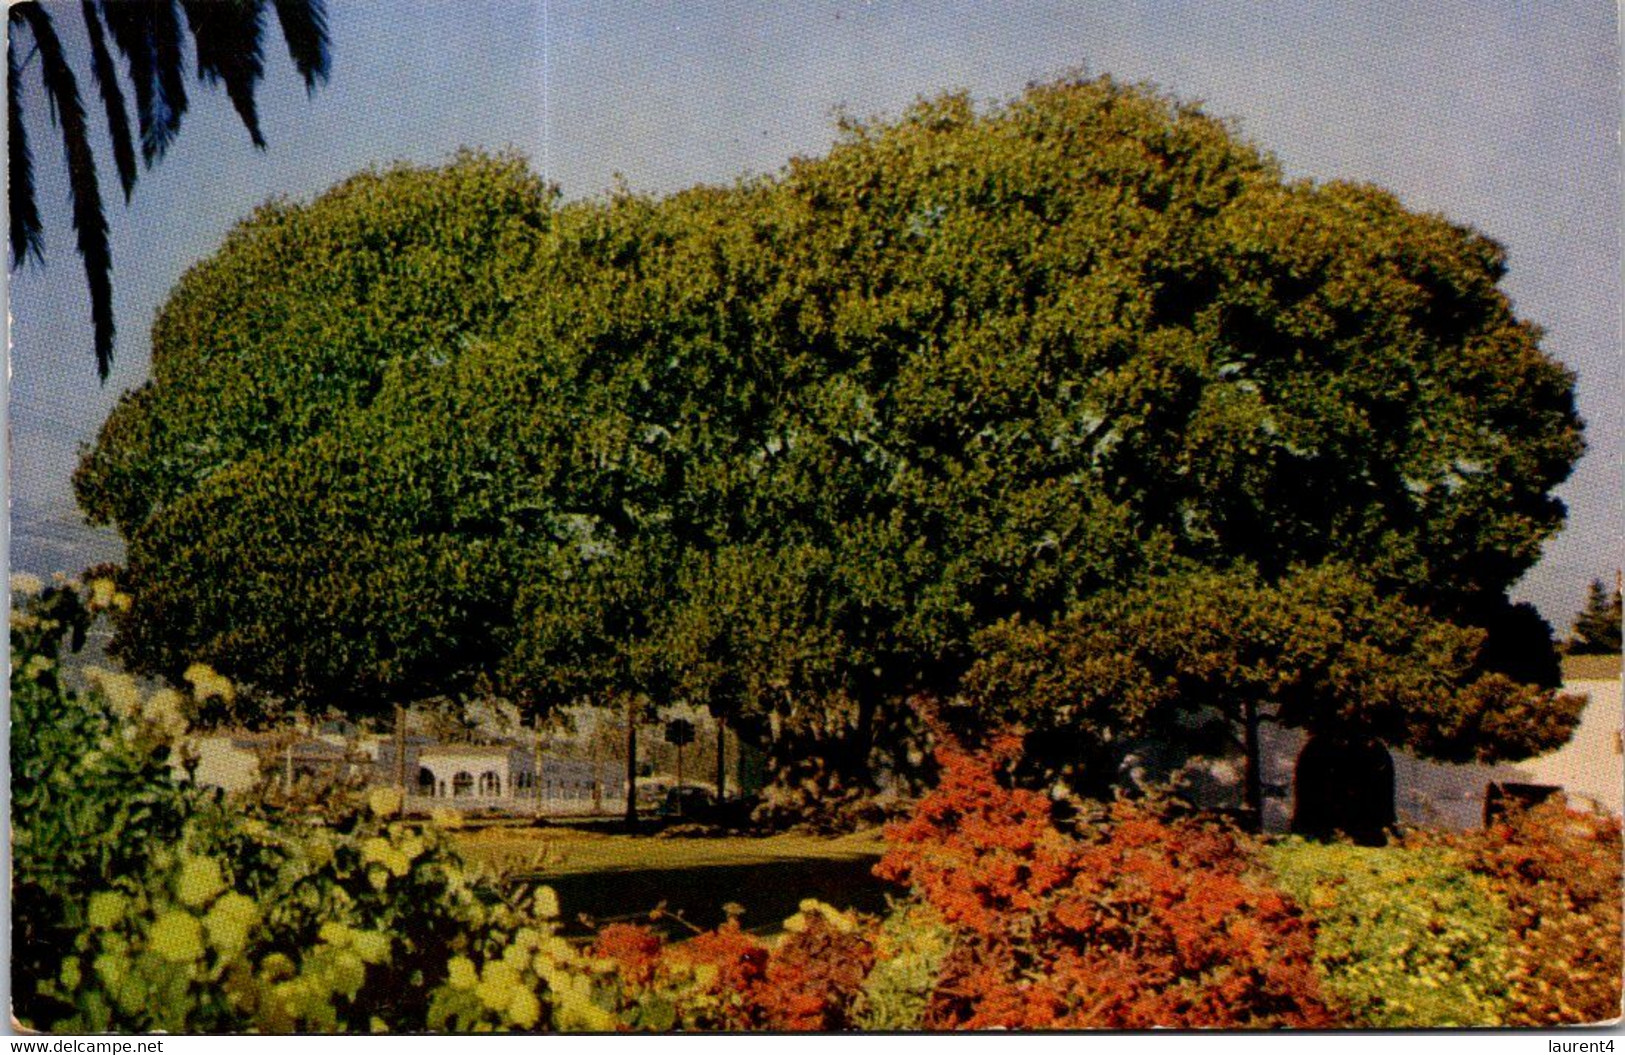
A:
(27, 238)
(89, 220)
(149, 36)
(127, 24)
(168, 41)
(227, 38)
(118, 119)
(304, 27)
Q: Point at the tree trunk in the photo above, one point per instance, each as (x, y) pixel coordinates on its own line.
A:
(722, 748)
(851, 759)
(631, 761)
(1252, 773)
(536, 764)
(1344, 785)
(400, 750)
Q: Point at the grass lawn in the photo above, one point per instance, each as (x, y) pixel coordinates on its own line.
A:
(1591, 668)
(610, 877)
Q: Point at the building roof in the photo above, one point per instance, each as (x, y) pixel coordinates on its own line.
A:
(467, 750)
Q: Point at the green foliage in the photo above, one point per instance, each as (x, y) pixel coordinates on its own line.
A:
(248, 924)
(1405, 938)
(786, 448)
(1597, 627)
(1157, 346)
(89, 799)
(1319, 649)
(283, 469)
(304, 313)
(911, 945)
(142, 902)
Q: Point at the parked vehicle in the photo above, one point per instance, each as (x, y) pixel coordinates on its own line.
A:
(691, 803)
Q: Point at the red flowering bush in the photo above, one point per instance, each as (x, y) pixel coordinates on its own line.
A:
(725, 979)
(1140, 922)
(978, 852)
(635, 950)
(729, 966)
(816, 973)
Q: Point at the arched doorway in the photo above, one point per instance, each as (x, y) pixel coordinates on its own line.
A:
(462, 784)
(490, 784)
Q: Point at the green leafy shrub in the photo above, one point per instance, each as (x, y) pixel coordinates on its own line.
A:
(147, 903)
(910, 946)
(88, 800)
(143, 902)
(247, 924)
(1406, 937)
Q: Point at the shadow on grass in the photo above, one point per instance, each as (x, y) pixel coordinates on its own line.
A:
(769, 892)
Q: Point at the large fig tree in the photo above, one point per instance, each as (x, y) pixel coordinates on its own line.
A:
(791, 448)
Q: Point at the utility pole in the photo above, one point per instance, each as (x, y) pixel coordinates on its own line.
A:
(680, 733)
(598, 781)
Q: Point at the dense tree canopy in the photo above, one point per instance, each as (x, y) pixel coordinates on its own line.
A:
(788, 448)
(314, 451)
(1200, 656)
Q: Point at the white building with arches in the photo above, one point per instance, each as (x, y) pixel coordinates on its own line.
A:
(472, 771)
(508, 778)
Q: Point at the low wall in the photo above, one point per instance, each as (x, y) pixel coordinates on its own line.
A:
(515, 805)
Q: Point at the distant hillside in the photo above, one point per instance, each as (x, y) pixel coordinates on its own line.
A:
(50, 539)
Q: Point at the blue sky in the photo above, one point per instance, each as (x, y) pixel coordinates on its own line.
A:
(1504, 116)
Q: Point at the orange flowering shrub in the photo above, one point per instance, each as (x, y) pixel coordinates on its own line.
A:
(1142, 922)
(709, 982)
(635, 950)
(976, 851)
(725, 979)
(729, 967)
(815, 975)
